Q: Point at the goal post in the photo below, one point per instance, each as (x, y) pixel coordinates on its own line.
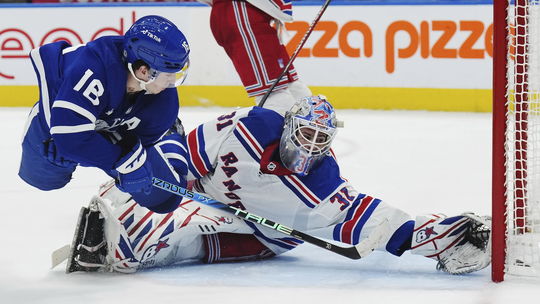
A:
(516, 139)
(498, 229)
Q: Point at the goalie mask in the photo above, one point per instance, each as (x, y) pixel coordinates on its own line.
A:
(162, 46)
(310, 128)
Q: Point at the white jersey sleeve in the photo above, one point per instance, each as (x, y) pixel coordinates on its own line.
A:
(360, 215)
(204, 142)
(233, 159)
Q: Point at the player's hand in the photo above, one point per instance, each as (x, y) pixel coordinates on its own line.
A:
(51, 154)
(134, 172)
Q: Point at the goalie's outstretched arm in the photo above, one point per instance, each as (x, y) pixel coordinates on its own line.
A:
(356, 252)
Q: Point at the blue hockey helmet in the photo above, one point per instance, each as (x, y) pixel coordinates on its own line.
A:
(310, 128)
(161, 45)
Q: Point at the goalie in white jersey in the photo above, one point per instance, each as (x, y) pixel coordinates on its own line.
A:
(282, 169)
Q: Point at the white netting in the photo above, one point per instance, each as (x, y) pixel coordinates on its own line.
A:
(523, 139)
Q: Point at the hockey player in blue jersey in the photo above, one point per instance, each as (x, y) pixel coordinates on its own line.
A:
(108, 104)
(282, 169)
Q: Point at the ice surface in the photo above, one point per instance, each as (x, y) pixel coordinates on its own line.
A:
(422, 162)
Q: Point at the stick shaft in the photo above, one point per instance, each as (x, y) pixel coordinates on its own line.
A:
(295, 54)
(349, 252)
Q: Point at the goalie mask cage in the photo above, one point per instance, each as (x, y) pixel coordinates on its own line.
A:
(516, 139)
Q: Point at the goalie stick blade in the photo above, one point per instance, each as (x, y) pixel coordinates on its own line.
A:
(72, 264)
(60, 255)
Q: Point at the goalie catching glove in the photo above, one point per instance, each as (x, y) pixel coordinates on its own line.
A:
(460, 244)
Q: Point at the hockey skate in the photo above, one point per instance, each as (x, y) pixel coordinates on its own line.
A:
(88, 249)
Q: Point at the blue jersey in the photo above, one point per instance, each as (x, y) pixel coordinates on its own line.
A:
(84, 106)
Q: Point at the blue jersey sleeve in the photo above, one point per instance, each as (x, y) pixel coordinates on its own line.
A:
(157, 114)
(81, 98)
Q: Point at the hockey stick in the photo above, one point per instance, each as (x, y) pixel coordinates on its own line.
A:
(354, 252)
(298, 48)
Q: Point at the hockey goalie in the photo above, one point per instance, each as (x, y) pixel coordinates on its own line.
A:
(281, 168)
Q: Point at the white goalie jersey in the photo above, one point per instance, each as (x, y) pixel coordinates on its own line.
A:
(235, 160)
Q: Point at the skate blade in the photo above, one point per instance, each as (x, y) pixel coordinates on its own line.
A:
(60, 255)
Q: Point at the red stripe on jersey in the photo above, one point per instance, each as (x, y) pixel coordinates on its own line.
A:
(250, 138)
(283, 84)
(155, 229)
(196, 159)
(250, 42)
(304, 189)
(346, 231)
(290, 242)
(140, 223)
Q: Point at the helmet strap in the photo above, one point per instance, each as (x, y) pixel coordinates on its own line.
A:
(142, 83)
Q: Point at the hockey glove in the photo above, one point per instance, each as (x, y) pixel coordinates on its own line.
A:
(133, 171)
(51, 154)
(459, 243)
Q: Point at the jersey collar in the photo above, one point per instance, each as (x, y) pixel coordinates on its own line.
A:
(270, 163)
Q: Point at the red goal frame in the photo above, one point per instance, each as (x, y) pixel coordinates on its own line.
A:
(501, 49)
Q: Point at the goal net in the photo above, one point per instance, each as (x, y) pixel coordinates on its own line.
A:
(516, 139)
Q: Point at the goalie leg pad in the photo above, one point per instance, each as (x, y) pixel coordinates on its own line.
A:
(460, 244)
(138, 238)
